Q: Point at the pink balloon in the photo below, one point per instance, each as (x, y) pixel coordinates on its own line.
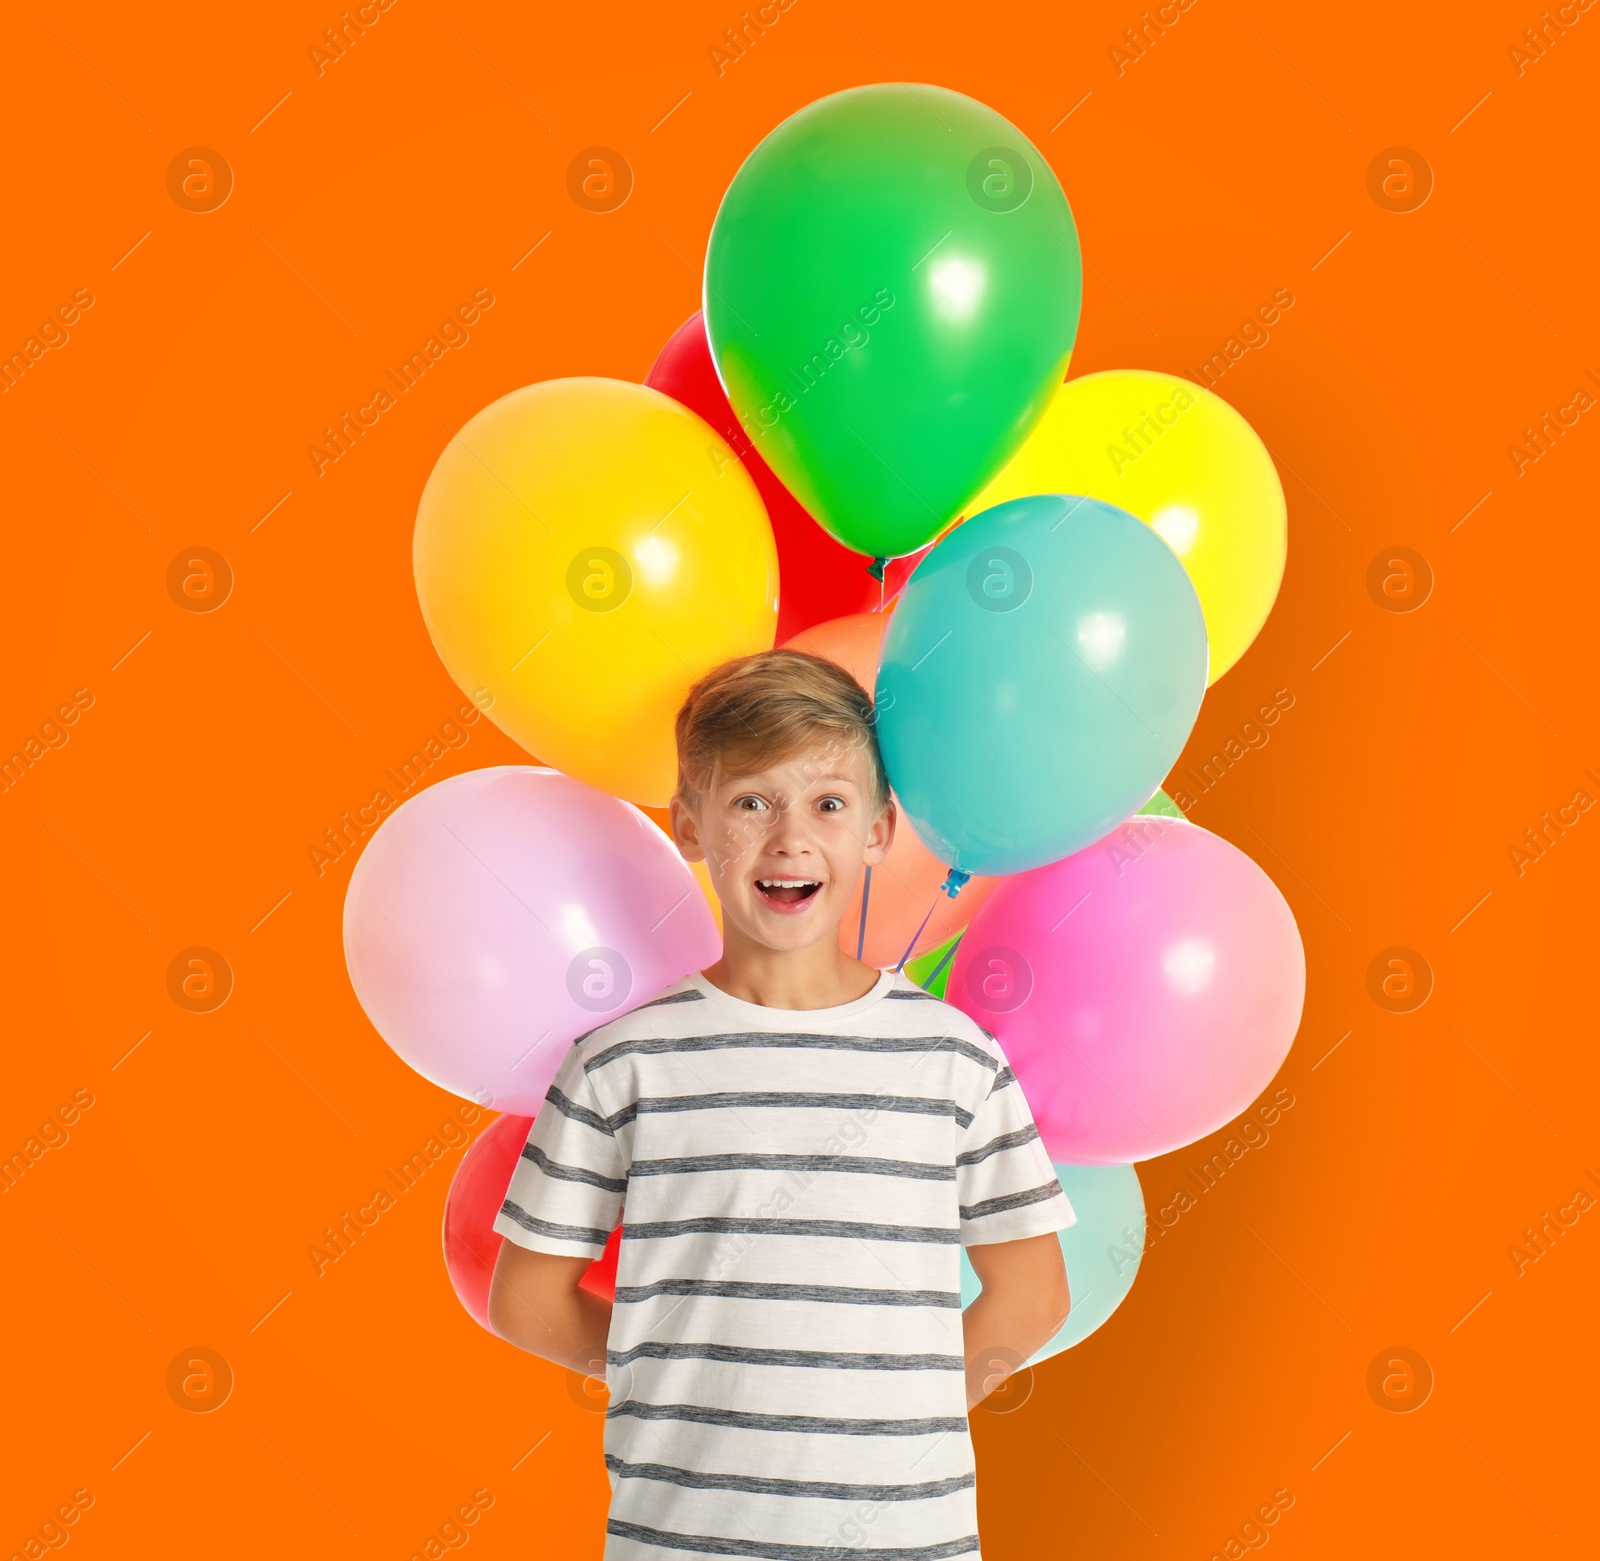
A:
(1145, 989)
(500, 914)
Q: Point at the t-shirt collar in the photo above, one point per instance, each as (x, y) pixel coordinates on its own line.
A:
(760, 1012)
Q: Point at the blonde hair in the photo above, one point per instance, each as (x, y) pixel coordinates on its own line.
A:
(758, 710)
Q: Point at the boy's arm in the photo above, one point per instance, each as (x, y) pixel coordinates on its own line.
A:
(1024, 1304)
(564, 1200)
(1012, 1208)
(536, 1303)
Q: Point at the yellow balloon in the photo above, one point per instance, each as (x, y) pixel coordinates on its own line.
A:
(584, 550)
(1188, 465)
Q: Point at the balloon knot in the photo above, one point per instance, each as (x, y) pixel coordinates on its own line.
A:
(875, 569)
(953, 881)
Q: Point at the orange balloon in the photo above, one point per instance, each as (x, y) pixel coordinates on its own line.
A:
(905, 885)
(853, 642)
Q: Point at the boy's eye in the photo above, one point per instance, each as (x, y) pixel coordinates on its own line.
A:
(750, 804)
(832, 804)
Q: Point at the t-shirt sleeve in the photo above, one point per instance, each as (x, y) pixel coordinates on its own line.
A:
(566, 1193)
(1005, 1184)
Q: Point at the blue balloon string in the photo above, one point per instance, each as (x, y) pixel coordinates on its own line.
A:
(951, 886)
(933, 975)
(866, 894)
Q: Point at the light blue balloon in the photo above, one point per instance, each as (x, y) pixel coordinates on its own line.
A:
(1102, 1249)
(1039, 677)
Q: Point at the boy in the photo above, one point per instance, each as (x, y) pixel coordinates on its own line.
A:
(804, 1143)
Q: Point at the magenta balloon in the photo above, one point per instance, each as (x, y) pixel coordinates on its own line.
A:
(1145, 989)
(500, 914)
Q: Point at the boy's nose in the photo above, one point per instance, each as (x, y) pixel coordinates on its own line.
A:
(789, 835)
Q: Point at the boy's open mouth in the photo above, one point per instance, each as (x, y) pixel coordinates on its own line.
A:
(787, 894)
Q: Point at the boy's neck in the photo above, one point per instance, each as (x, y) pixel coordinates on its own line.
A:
(820, 975)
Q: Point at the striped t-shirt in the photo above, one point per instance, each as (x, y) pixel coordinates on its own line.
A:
(785, 1360)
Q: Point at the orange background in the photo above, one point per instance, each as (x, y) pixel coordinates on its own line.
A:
(1228, 162)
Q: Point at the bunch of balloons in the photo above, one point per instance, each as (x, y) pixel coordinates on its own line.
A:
(1038, 578)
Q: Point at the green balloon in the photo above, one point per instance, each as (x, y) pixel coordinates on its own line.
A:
(891, 294)
(1163, 806)
(931, 971)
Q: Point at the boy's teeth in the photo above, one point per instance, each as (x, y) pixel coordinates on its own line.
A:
(787, 883)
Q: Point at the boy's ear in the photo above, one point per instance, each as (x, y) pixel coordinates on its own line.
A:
(685, 830)
(880, 836)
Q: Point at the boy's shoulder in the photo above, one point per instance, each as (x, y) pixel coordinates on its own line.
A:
(934, 1012)
(663, 1014)
(905, 990)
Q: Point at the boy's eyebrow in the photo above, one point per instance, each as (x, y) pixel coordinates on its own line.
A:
(832, 775)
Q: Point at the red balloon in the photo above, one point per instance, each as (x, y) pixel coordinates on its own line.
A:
(471, 1243)
(817, 578)
(601, 1275)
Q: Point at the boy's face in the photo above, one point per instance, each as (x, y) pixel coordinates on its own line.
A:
(785, 848)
